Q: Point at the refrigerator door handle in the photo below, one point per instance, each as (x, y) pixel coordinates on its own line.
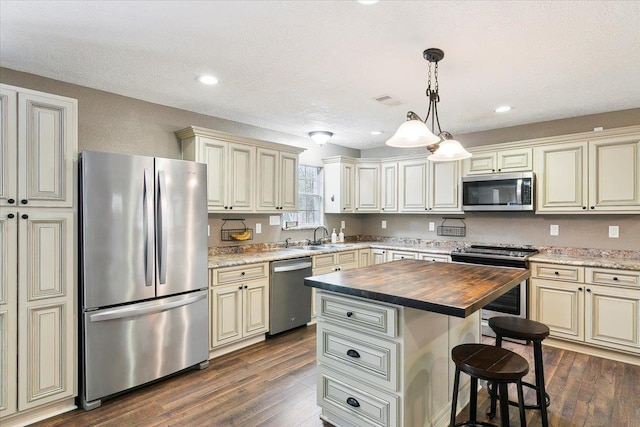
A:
(147, 202)
(162, 227)
(146, 308)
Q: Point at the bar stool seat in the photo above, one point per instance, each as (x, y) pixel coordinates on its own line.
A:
(490, 363)
(530, 330)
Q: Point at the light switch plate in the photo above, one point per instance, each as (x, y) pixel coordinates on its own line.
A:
(258, 228)
(208, 230)
(432, 226)
(554, 230)
(342, 224)
(384, 224)
(614, 231)
(274, 220)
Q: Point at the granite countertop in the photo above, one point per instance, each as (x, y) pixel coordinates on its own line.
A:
(585, 261)
(447, 288)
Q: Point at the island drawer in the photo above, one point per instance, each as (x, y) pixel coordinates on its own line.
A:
(567, 273)
(223, 276)
(355, 402)
(358, 314)
(373, 360)
(602, 276)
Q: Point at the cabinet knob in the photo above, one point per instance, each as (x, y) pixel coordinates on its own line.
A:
(351, 401)
(24, 201)
(11, 201)
(499, 170)
(580, 289)
(588, 290)
(242, 274)
(239, 287)
(226, 207)
(615, 278)
(593, 207)
(382, 208)
(349, 313)
(230, 207)
(493, 170)
(584, 207)
(556, 273)
(353, 353)
(246, 286)
(25, 216)
(10, 216)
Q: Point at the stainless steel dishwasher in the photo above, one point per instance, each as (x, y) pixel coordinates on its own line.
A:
(289, 298)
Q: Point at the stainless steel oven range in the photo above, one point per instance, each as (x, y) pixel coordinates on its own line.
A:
(512, 303)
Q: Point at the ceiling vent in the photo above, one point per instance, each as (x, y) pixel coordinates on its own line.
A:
(387, 100)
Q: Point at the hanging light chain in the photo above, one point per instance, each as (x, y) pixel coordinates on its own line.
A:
(434, 98)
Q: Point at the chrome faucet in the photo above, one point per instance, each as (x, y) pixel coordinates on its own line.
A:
(287, 242)
(326, 234)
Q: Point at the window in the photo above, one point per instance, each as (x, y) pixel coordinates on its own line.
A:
(309, 198)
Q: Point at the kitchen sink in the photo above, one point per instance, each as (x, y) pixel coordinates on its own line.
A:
(319, 247)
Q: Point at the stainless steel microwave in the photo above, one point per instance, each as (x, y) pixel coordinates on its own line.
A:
(498, 192)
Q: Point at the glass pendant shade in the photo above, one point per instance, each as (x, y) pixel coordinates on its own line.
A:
(320, 136)
(412, 133)
(449, 150)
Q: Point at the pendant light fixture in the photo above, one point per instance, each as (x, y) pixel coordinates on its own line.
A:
(415, 132)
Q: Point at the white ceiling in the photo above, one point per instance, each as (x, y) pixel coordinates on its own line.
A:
(298, 66)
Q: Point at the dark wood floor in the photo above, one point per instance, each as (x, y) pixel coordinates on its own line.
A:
(273, 384)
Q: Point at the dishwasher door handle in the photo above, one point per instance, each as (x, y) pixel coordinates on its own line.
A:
(292, 267)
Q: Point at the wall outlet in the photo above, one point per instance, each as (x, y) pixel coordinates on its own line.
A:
(274, 220)
(258, 228)
(208, 230)
(384, 224)
(614, 231)
(598, 129)
(342, 224)
(554, 230)
(432, 226)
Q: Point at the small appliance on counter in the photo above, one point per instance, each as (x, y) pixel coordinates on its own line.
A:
(143, 271)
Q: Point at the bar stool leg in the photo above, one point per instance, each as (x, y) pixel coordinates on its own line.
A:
(541, 392)
(454, 401)
(473, 400)
(504, 404)
(494, 387)
(523, 421)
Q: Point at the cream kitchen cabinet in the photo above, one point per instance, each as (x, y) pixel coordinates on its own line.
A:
(38, 142)
(339, 185)
(277, 186)
(232, 183)
(434, 257)
(413, 185)
(395, 255)
(328, 263)
(444, 182)
(389, 186)
(364, 258)
(599, 175)
(367, 187)
(38, 308)
(239, 306)
(600, 307)
(506, 160)
(378, 256)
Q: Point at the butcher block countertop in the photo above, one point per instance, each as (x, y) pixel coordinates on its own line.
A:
(447, 288)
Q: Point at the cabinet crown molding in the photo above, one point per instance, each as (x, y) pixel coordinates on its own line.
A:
(194, 131)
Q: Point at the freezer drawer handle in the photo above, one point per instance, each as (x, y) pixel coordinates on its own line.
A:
(293, 267)
(119, 313)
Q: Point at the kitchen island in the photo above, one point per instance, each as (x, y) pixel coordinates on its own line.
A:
(385, 335)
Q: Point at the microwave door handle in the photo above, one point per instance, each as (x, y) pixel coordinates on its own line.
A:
(519, 191)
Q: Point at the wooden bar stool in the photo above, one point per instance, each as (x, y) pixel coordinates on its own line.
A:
(530, 330)
(490, 363)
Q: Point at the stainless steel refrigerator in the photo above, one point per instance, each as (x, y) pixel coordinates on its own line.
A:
(143, 271)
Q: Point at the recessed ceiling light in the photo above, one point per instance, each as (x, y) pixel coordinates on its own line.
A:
(207, 79)
(376, 132)
(502, 109)
(367, 1)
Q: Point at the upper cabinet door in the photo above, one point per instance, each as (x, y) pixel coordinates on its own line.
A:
(288, 181)
(389, 178)
(444, 181)
(267, 183)
(214, 154)
(561, 171)
(347, 183)
(8, 146)
(614, 174)
(516, 160)
(367, 187)
(481, 163)
(46, 142)
(413, 185)
(241, 176)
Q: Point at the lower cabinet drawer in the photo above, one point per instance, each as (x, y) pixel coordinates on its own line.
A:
(373, 360)
(359, 314)
(601, 276)
(355, 402)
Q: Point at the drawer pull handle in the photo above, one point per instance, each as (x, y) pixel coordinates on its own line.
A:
(349, 313)
(615, 278)
(353, 402)
(353, 353)
(556, 273)
(242, 274)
